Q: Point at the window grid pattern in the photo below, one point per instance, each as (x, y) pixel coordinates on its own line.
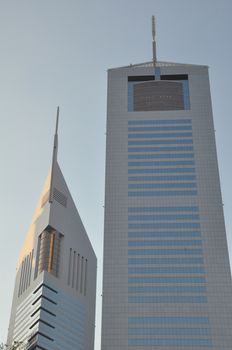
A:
(158, 161)
(165, 254)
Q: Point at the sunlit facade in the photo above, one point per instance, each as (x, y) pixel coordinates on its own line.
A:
(55, 289)
(166, 279)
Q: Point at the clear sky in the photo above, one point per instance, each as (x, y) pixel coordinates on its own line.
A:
(57, 52)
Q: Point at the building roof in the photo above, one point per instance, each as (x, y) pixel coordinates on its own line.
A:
(158, 64)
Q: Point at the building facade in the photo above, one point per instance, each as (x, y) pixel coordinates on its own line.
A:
(55, 289)
(166, 279)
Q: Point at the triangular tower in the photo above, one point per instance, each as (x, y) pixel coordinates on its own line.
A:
(55, 289)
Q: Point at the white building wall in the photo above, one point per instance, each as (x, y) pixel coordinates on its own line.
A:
(128, 320)
(50, 309)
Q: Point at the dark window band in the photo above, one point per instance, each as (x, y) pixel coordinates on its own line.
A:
(46, 286)
(141, 78)
(162, 77)
(35, 347)
(45, 310)
(42, 321)
(174, 77)
(43, 296)
(42, 335)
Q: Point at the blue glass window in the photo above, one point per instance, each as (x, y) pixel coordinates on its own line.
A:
(130, 96)
(165, 225)
(165, 251)
(160, 128)
(166, 243)
(186, 96)
(165, 261)
(166, 234)
(161, 149)
(161, 155)
(161, 209)
(160, 135)
(163, 178)
(160, 142)
(168, 331)
(163, 279)
(168, 299)
(162, 163)
(161, 193)
(168, 320)
(157, 73)
(163, 185)
(170, 342)
(167, 289)
(161, 171)
(164, 217)
(144, 270)
(159, 121)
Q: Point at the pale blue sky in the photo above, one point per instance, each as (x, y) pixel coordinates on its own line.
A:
(57, 52)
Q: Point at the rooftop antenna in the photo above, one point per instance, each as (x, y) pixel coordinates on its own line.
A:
(54, 154)
(153, 41)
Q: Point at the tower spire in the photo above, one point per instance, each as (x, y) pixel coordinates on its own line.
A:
(153, 41)
(54, 154)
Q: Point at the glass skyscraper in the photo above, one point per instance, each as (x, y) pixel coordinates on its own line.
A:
(55, 289)
(166, 280)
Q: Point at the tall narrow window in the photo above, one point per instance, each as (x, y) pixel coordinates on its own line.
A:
(82, 267)
(78, 273)
(73, 271)
(25, 274)
(21, 278)
(69, 265)
(28, 260)
(85, 282)
(31, 260)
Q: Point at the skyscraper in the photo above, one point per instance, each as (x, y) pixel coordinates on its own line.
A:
(166, 279)
(55, 290)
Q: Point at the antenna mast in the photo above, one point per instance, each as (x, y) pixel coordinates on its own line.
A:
(54, 154)
(153, 41)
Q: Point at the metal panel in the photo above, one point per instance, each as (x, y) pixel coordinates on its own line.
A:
(158, 96)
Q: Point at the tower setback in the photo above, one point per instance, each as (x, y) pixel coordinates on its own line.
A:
(55, 290)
